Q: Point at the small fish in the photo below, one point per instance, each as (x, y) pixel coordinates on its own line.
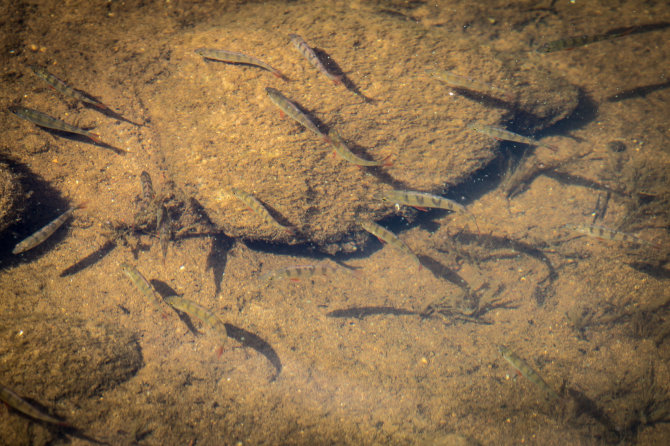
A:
(311, 56)
(569, 43)
(44, 120)
(255, 205)
(422, 200)
(142, 284)
(164, 226)
(194, 310)
(64, 88)
(527, 371)
(506, 135)
(294, 112)
(148, 193)
(454, 80)
(13, 400)
(44, 233)
(386, 236)
(343, 151)
(609, 234)
(297, 272)
(233, 57)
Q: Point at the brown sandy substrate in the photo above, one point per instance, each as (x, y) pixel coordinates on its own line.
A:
(384, 352)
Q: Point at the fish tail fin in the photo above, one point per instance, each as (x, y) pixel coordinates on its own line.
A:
(281, 75)
(95, 137)
(101, 106)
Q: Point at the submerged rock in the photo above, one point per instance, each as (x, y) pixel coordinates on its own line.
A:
(218, 129)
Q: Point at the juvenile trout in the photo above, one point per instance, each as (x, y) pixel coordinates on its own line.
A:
(294, 112)
(44, 233)
(233, 57)
(296, 273)
(65, 89)
(343, 151)
(142, 284)
(194, 310)
(506, 135)
(609, 234)
(311, 56)
(465, 83)
(13, 400)
(386, 236)
(44, 120)
(255, 205)
(527, 371)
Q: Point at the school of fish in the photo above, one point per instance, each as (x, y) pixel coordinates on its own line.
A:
(418, 199)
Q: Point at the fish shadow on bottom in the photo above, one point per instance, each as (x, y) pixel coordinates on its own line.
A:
(363, 312)
(248, 339)
(440, 271)
(335, 69)
(83, 139)
(90, 259)
(217, 259)
(244, 337)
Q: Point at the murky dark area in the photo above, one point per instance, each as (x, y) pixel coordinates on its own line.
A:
(218, 279)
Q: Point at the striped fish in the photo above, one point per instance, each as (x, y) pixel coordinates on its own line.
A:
(13, 400)
(164, 227)
(386, 236)
(296, 273)
(255, 205)
(44, 233)
(65, 89)
(311, 56)
(44, 120)
(194, 310)
(142, 284)
(569, 43)
(343, 151)
(148, 193)
(465, 83)
(506, 135)
(422, 200)
(294, 112)
(233, 57)
(527, 371)
(609, 234)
